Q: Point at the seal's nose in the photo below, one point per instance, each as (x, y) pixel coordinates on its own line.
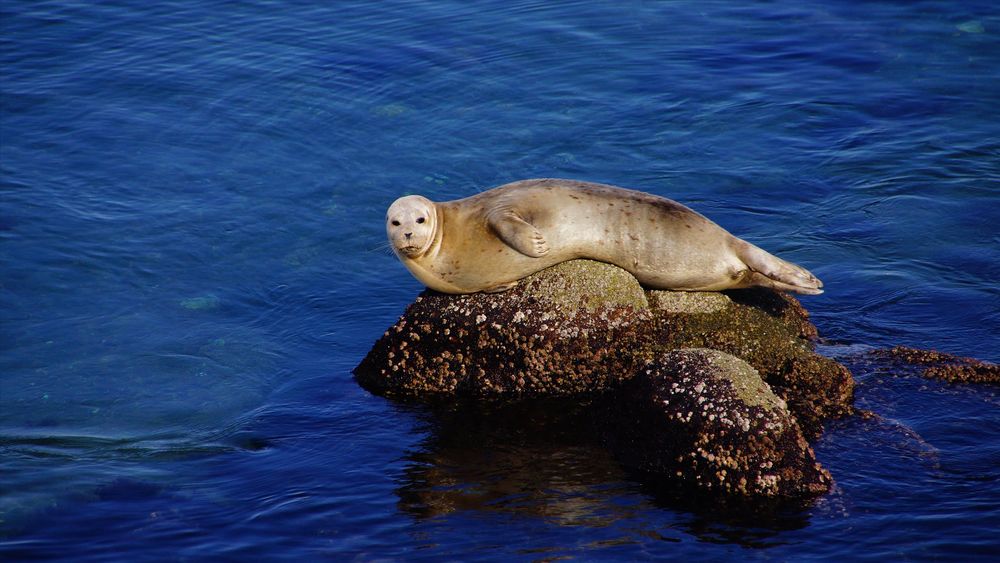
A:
(408, 235)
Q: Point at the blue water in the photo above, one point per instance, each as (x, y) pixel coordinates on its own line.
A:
(193, 261)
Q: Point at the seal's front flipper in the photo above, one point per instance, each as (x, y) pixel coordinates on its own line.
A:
(519, 234)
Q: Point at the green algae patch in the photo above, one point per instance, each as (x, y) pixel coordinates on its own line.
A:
(745, 380)
(688, 301)
(586, 284)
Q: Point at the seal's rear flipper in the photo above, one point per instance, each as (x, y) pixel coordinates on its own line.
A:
(756, 279)
(770, 271)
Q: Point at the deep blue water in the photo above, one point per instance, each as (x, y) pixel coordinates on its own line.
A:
(193, 261)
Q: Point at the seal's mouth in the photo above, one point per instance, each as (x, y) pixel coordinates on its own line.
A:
(409, 250)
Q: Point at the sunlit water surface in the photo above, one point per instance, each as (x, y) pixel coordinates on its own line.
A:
(193, 261)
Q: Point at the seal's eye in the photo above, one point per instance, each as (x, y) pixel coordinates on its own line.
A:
(395, 223)
(421, 220)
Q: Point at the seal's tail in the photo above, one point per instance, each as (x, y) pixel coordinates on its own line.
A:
(770, 271)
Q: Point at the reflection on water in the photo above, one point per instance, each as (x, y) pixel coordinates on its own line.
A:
(541, 460)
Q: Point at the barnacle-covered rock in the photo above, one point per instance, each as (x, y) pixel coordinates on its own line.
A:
(707, 419)
(939, 365)
(584, 327)
(573, 329)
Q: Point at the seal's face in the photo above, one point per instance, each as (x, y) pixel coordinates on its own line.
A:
(410, 224)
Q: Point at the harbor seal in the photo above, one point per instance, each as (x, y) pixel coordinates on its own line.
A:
(489, 241)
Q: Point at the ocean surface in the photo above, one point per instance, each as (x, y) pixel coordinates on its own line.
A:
(193, 259)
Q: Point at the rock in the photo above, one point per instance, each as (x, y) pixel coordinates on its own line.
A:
(708, 418)
(938, 365)
(583, 328)
(570, 330)
(770, 331)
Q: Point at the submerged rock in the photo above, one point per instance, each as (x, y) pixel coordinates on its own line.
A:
(584, 327)
(938, 365)
(707, 418)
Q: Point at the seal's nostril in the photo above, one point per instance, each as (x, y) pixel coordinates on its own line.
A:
(408, 235)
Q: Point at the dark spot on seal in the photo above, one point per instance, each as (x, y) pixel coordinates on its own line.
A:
(668, 206)
(633, 237)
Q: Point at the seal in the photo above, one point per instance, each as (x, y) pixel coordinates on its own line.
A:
(490, 241)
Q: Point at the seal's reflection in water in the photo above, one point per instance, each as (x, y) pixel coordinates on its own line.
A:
(546, 459)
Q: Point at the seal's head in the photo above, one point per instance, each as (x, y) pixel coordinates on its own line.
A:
(410, 224)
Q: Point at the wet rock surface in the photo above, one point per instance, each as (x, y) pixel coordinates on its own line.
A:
(707, 418)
